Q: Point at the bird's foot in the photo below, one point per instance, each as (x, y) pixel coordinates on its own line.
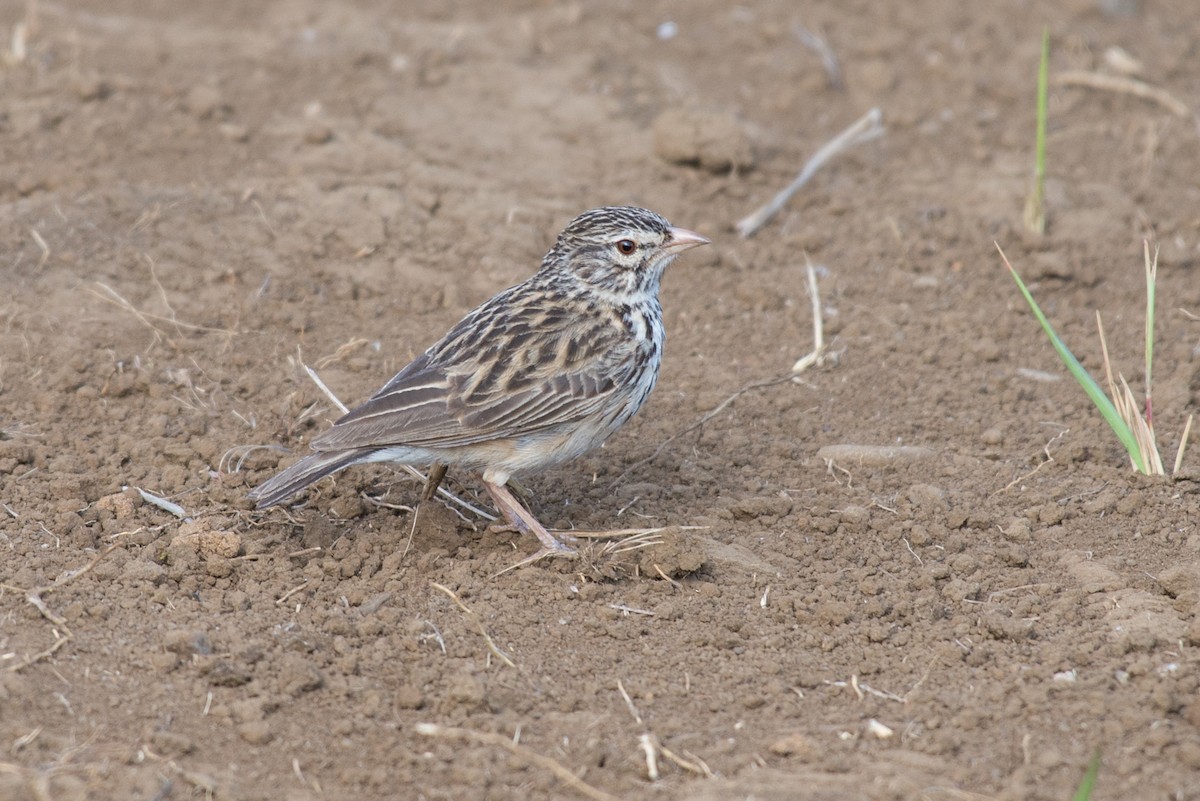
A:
(613, 534)
(520, 519)
(545, 552)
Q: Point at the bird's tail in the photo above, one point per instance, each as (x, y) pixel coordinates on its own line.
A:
(311, 468)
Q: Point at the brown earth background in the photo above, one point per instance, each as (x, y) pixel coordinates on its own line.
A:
(195, 199)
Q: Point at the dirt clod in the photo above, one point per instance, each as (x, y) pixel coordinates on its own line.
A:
(713, 140)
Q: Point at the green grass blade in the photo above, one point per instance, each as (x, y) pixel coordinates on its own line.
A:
(1042, 91)
(1084, 793)
(1035, 205)
(1105, 406)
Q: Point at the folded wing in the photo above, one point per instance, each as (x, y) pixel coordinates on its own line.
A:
(504, 381)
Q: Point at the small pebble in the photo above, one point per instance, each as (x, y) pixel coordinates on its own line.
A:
(256, 732)
(203, 102)
(318, 134)
(714, 140)
(234, 132)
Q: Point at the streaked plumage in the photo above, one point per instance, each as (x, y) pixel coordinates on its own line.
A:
(539, 374)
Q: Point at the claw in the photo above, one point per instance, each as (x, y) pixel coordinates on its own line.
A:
(543, 553)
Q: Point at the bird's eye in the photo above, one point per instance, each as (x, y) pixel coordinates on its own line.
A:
(626, 246)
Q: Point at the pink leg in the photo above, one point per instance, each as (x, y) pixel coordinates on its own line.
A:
(526, 523)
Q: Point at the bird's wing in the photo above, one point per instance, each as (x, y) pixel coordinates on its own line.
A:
(495, 375)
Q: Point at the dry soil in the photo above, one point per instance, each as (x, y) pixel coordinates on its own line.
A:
(196, 199)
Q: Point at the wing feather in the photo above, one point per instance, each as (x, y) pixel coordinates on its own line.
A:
(494, 376)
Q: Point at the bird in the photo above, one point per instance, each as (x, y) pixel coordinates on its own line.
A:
(537, 375)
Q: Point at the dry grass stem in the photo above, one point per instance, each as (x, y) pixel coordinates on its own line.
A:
(528, 755)
(651, 751)
(283, 598)
(1129, 86)
(344, 350)
(631, 610)
(633, 710)
(633, 542)
(1024, 476)
(614, 534)
(148, 319)
(41, 243)
(399, 507)
(164, 504)
(868, 127)
(867, 688)
(693, 764)
(817, 44)
(34, 597)
(1127, 407)
(412, 531)
(491, 644)
(817, 355)
(677, 585)
(321, 385)
(1183, 441)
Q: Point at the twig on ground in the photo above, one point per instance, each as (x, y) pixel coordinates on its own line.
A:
(817, 354)
(321, 385)
(280, 600)
(34, 596)
(344, 350)
(632, 610)
(1130, 86)
(633, 710)
(41, 243)
(633, 539)
(693, 764)
(1183, 441)
(817, 44)
(1041, 464)
(164, 504)
(866, 128)
(677, 585)
(148, 319)
(562, 773)
(471, 613)
(650, 749)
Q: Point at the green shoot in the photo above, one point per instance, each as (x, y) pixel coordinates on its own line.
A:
(1035, 204)
(1133, 427)
(1088, 783)
(1106, 408)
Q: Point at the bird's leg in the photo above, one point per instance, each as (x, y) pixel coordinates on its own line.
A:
(521, 492)
(437, 471)
(526, 523)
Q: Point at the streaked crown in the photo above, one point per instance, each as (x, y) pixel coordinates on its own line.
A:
(621, 249)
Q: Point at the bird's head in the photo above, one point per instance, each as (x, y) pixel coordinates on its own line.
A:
(621, 249)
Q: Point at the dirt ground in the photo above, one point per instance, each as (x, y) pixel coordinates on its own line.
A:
(199, 198)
